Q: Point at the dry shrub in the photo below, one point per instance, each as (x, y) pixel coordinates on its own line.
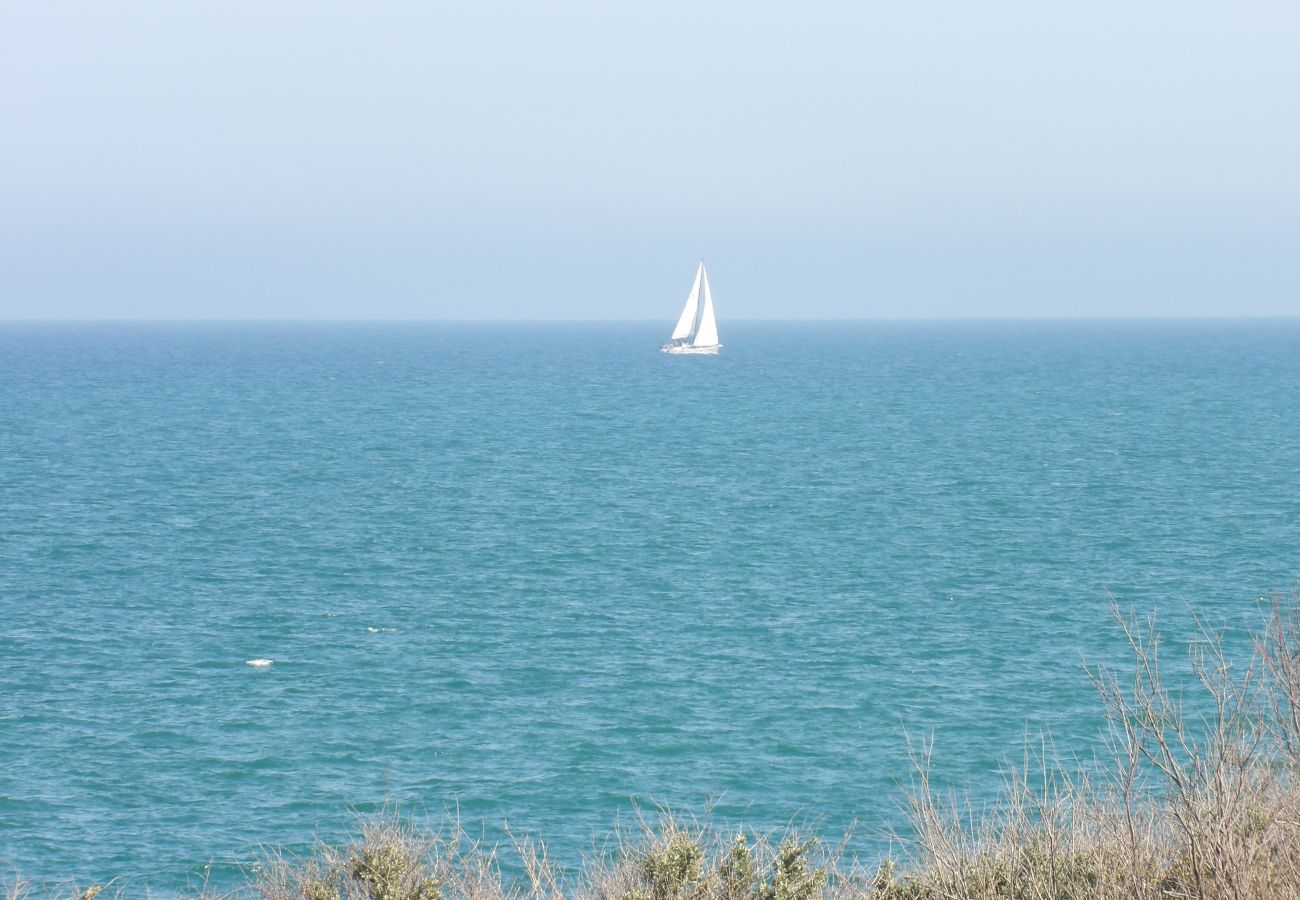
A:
(666, 860)
(677, 860)
(1198, 806)
(390, 860)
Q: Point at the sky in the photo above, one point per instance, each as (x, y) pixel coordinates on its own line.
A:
(574, 160)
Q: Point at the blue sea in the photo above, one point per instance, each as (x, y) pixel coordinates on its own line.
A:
(544, 575)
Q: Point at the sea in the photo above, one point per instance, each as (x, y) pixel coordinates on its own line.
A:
(546, 580)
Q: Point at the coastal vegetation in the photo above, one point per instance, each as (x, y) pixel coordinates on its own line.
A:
(1194, 797)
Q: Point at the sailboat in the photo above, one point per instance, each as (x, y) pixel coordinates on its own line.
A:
(697, 327)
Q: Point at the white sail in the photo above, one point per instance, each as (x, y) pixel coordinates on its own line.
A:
(686, 322)
(696, 332)
(706, 335)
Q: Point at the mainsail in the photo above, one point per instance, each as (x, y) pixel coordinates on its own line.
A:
(706, 335)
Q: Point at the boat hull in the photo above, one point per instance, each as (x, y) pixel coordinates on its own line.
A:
(689, 350)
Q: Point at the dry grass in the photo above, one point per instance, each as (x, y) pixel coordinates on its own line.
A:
(1204, 806)
(1200, 807)
(661, 860)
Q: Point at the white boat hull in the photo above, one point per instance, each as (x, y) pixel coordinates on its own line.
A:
(685, 349)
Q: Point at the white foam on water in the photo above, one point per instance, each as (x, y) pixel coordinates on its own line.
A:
(259, 663)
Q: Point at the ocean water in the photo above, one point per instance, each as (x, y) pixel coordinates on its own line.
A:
(542, 574)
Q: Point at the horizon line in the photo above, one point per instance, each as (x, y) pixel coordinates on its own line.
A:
(4, 320)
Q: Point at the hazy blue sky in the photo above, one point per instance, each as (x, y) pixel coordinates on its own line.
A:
(565, 159)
